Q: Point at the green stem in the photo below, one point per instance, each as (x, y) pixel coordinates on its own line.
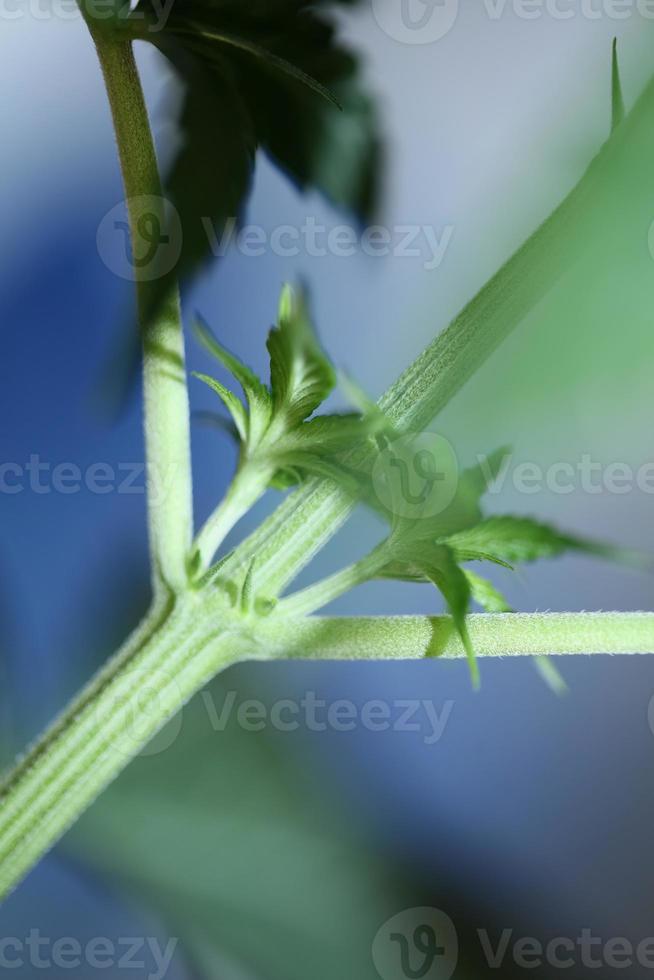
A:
(166, 407)
(307, 519)
(179, 648)
(248, 485)
(314, 597)
(492, 635)
(173, 654)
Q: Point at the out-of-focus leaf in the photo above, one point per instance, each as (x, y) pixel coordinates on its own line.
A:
(230, 401)
(485, 594)
(247, 862)
(257, 75)
(617, 99)
(551, 675)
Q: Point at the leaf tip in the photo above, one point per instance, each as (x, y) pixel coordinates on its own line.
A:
(551, 675)
(287, 302)
(617, 99)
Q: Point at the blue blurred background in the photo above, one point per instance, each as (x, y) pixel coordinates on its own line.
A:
(534, 811)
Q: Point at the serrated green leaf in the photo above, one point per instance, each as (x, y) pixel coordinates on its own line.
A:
(274, 432)
(230, 401)
(516, 539)
(260, 75)
(252, 386)
(332, 435)
(255, 391)
(301, 375)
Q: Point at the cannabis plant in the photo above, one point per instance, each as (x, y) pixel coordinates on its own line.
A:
(273, 76)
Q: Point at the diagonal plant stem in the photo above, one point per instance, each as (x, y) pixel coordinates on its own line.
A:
(316, 596)
(307, 519)
(124, 706)
(166, 406)
(247, 487)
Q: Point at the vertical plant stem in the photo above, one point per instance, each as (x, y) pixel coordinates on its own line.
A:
(166, 407)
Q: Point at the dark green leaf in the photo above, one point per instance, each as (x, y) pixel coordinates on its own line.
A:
(272, 60)
(261, 75)
(256, 393)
